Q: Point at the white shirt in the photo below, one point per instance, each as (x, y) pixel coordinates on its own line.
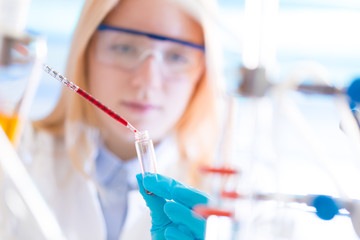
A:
(115, 178)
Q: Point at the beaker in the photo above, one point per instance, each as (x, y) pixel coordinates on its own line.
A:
(20, 57)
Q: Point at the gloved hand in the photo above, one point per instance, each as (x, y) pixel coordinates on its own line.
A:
(170, 208)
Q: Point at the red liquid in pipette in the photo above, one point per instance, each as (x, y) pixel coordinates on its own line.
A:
(88, 97)
(101, 106)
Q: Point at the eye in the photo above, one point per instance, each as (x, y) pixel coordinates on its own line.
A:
(123, 49)
(175, 57)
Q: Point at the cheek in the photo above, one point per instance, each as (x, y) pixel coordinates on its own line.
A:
(104, 84)
(179, 95)
(183, 92)
(103, 80)
(98, 86)
(106, 88)
(177, 100)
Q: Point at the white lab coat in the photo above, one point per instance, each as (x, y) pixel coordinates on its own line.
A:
(73, 198)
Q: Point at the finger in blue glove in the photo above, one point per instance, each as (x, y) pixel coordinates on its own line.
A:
(181, 215)
(171, 189)
(172, 233)
(181, 199)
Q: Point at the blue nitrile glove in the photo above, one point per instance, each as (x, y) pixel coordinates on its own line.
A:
(170, 208)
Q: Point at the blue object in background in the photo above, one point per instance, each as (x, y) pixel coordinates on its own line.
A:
(326, 207)
(354, 92)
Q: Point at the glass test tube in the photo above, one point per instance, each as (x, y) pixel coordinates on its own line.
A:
(145, 151)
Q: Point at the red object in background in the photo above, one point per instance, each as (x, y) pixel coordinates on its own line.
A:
(206, 211)
(231, 194)
(221, 170)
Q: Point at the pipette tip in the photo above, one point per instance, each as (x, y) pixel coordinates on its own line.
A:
(131, 127)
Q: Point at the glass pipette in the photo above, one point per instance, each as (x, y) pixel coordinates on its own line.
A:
(144, 145)
(87, 96)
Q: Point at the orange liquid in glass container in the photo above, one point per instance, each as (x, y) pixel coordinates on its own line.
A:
(11, 126)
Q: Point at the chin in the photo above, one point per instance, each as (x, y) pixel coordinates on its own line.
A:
(155, 131)
(141, 126)
(128, 136)
(123, 135)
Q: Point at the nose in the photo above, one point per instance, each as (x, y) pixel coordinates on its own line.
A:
(147, 73)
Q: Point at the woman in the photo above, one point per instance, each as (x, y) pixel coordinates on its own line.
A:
(146, 60)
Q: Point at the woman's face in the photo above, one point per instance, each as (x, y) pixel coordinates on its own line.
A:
(153, 94)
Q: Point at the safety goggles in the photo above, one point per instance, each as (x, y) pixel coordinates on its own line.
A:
(127, 49)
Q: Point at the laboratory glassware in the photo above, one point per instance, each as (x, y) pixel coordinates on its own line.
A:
(19, 77)
(87, 96)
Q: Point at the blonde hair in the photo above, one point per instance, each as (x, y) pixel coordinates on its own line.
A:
(195, 131)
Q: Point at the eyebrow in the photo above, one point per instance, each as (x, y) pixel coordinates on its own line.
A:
(103, 27)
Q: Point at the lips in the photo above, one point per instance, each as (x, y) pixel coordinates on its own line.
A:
(141, 107)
